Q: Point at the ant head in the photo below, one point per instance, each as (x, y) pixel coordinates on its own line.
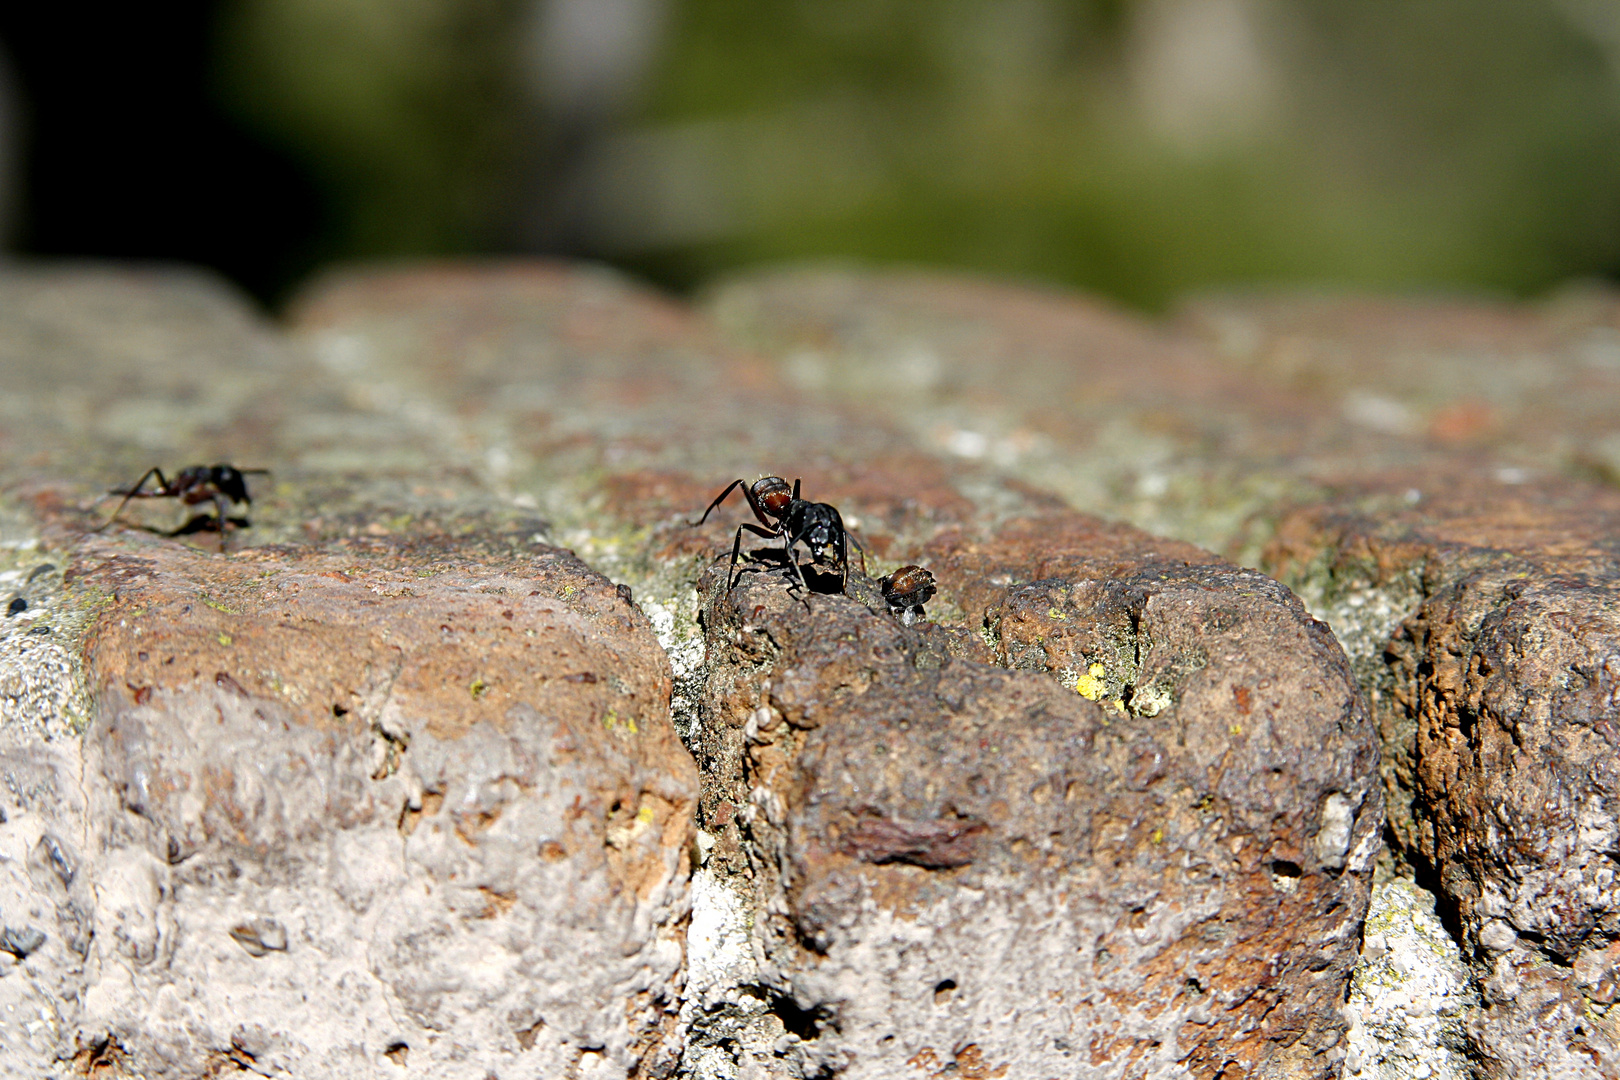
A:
(773, 494)
(230, 482)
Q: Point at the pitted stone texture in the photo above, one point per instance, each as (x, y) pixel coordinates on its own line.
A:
(47, 906)
(953, 867)
(616, 415)
(47, 903)
(380, 810)
(1412, 996)
(1499, 722)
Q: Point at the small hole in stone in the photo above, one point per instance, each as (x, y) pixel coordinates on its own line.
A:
(397, 1053)
(1285, 876)
(527, 1036)
(943, 991)
(338, 710)
(805, 1023)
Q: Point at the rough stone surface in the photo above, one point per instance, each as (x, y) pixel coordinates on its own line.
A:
(1497, 712)
(1165, 871)
(385, 787)
(1412, 996)
(439, 799)
(1432, 475)
(1526, 388)
(617, 455)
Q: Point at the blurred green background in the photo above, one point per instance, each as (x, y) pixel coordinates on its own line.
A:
(1137, 148)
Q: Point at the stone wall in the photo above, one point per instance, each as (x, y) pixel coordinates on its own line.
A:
(465, 754)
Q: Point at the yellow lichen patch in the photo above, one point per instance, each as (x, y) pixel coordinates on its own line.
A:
(1090, 685)
(614, 722)
(478, 688)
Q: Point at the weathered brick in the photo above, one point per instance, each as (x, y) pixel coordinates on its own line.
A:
(1496, 673)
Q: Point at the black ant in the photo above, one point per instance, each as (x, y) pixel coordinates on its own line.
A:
(907, 590)
(224, 485)
(784, 515)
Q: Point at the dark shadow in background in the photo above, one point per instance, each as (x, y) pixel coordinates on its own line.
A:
(124, 154)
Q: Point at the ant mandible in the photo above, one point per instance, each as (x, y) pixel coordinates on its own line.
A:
(784, 515)
(224, 485)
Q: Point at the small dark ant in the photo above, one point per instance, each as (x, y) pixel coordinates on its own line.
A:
(224, 485)
(784, 515)
(907, 590)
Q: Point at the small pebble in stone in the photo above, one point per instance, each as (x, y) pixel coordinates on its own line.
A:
(260, 936)
(17, 606)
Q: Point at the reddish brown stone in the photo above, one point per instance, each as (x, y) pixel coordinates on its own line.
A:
(1500, 723)
(454, 639)
(1169, 877)
(1420, 469)
(354, 712)
(652, 462)
(1110, 412)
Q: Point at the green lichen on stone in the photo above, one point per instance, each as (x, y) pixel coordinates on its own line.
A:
(1364, 603)
(1411, 995)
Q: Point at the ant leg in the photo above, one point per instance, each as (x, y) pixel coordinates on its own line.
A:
(136, 492)
(720, 499)
(130, 492)
(731, 571)
(793, 562)
(736, 548)
(859, 548)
